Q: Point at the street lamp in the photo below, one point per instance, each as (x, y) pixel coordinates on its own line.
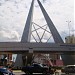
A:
(69, 29)
(69, 26)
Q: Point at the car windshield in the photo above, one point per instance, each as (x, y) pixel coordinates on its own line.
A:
(41, 65)
(37, 65)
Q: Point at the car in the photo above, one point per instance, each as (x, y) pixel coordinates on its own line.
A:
(68, 69)
(37, 68)
(5, 71)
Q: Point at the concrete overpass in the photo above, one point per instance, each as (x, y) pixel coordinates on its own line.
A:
(19, 47)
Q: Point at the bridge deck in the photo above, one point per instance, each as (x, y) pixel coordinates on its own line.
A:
(18, 47)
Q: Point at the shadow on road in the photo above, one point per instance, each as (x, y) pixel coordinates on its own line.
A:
(36, 74)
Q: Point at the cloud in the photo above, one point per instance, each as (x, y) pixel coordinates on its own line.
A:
(13, 15)
(59, 11)
(8, 35)
(43, 1)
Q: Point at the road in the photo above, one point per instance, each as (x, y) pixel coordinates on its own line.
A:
(22, 73)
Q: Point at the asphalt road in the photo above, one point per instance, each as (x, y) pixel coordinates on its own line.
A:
(22, 73)
(58, 72)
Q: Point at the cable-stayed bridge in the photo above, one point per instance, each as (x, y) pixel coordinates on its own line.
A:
(25, 46)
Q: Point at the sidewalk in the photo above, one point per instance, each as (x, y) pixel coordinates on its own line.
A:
(17, 71)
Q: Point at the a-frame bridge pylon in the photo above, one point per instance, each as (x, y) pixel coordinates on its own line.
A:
(27, 34)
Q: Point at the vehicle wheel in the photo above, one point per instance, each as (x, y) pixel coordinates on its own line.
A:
(44, 72)
(27, 72)
(1, 73)
(31, 73)
(67, 72)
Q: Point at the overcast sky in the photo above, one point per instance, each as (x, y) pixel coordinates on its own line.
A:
(13, 15)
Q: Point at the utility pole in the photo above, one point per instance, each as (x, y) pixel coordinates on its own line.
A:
(69, 29)
(69, 26)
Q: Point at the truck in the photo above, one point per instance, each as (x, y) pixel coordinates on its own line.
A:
(37, 68)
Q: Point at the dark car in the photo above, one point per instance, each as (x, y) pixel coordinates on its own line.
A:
(69, 69)
(37, 68)
(5, 71)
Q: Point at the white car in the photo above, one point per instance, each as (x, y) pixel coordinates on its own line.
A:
(69, 69)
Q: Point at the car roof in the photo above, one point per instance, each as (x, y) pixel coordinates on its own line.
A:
(70, 65)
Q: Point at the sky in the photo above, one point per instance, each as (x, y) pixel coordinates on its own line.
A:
(13, 15)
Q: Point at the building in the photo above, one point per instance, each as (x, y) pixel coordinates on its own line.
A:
(48, 59)
(55, 59)
(70, 39)
(43, 59)
(5, 59)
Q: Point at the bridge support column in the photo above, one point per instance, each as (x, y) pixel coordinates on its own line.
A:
(26, 36)
(27, 59)
(19, 62)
